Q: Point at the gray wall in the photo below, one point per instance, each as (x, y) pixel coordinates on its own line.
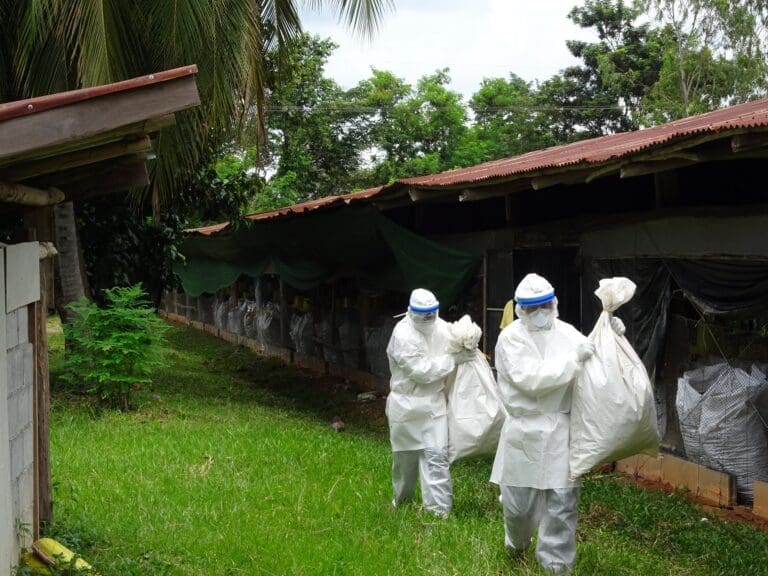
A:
(19, 287)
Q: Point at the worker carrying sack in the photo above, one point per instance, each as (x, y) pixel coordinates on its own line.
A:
(475, 412)
(613, 415)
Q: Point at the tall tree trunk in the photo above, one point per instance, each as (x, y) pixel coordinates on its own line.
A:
(69, 265)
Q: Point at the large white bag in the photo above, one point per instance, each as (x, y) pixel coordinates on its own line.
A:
(613, 415)
(475, 412)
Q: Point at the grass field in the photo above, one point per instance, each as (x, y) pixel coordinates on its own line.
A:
(228, 466)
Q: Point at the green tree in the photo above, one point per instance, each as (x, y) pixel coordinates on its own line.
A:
(606, 92)
(715, 55)
(116, 346)
(314, 140)
(504, 117)
(411, 132)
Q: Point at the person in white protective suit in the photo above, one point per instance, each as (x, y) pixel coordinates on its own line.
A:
(416, 405)
(538, 358)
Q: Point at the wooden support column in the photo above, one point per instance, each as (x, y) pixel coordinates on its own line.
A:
(667, 185)
(40, 225)
(283, 315)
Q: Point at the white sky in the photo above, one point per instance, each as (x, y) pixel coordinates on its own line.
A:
(476, 39)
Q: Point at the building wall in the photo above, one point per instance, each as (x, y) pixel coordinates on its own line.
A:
(19, 287)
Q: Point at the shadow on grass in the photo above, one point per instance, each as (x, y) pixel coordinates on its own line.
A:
(200, 366)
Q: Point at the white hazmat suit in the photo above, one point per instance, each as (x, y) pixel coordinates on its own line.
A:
(416, 405)
(538, 358)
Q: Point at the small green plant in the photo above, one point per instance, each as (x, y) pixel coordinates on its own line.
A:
(112, 348)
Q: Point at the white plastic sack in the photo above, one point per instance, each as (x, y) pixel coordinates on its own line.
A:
(475, 412)
(613, 413)
(463, 334)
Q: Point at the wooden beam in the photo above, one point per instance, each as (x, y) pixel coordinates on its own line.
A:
(90, 118)
(117, 178)
(137, 129)
(494, 190)
(431, 195)
(743, 142)
(77, 158)
(634, 169)
(29, 196)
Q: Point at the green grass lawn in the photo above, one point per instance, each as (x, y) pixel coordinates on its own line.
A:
(228, 466)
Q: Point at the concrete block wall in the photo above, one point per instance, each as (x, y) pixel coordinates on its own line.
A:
(19, 287)
(715, 487)
(20, 362)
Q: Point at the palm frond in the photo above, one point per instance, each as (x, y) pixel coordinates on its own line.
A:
(364, 17)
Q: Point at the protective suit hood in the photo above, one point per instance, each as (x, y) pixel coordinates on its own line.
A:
(423, 311)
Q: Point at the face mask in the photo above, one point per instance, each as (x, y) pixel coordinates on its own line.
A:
(424, 323)
(541, 318)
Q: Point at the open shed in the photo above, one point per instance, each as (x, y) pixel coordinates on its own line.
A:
(680, 208)
(55, 150)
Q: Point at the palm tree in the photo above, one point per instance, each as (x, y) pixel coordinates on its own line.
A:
(49, 46)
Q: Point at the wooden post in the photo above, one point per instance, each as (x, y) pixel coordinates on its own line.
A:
(40, 223)
(485, 302)
(283, 315)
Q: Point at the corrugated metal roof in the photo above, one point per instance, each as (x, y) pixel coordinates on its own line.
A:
(311, 206)
(41, 103)
(594, 151)
(605, 148)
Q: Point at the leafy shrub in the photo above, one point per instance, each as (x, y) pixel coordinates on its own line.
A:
(111, 348)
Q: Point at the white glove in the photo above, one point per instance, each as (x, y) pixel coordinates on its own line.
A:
(618, 326)
(584, 350)
(464, 356)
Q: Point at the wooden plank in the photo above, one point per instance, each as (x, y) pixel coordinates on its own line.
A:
(760, 505)
(22, 275)
(42, 229)
(122, 174)
(76, 159)
(28, 195)
(90, 118)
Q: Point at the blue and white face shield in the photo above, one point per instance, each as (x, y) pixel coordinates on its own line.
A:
(423, 310)
(536, 302)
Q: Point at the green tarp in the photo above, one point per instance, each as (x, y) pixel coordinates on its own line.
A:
(308, 250)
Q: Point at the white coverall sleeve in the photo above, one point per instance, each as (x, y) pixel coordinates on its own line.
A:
(419, 366)
(520, 363)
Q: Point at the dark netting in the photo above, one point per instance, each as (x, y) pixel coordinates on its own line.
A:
(720, 426)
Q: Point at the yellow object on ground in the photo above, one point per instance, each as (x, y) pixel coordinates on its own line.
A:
(508, 315)
(47, 554)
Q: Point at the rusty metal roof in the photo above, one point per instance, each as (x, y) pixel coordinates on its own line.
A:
(602, 149)
(586, 152)
(311, 206)
(42, 103)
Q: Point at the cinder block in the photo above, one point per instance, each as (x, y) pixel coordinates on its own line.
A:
(717, 487)
(19, 411)
(28, 364)
(211, 329)
(11, 330)
(283, 354)
(649, 467)
(197, 325)
(760, 505)
(22, 316)
(680, 473)
(627, 466)
(253, 345)
(15, 361)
